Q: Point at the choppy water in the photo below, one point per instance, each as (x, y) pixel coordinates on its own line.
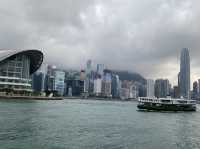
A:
(86, 124)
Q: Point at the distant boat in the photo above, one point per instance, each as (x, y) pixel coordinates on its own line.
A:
(166, 104)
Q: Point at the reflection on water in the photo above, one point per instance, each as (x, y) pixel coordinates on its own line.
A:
(94, 124)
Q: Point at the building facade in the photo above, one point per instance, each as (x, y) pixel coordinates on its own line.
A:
(59, 82)
(124, 93)
(87, 85)
(133, 91)
(106, 84)
(176, 92)
(100, 69)
(195, 90)
(162, 88)
(16, 68)
(115, 86)
(55, 81)
(150, 88)
(50, 79)
(184, 76)
(74, 87)
(88, 67)
(97, 86)
(38, 82)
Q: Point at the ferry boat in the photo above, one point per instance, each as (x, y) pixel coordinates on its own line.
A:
(166, 104)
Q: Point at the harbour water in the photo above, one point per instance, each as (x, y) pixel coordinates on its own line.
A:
(92, 124)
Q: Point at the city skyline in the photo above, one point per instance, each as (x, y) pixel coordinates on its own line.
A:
(125, 35)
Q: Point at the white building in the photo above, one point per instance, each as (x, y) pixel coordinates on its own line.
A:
(150, 88)
(97, 86)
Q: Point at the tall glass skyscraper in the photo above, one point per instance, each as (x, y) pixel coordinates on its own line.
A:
(184, 76)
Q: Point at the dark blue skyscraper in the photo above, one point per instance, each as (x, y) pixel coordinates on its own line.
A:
(184, 76)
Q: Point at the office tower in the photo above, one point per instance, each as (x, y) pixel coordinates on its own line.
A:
(59, 82)
(150, 88)
(88, 75)
(100, 69)
(86, 85)
(55, 80)
(38, 82)
(133, 91)
(49, 85)
(74, 87)
(125, 89)
(184, 78)
(115, 86)
(88, 67)
(128, 90)
(195, 90)
(124, 93)
(97, 86)
(161, 88)
(176, 92)
(106, 84)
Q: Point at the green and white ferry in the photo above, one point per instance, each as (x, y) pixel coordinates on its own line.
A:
(166, 104)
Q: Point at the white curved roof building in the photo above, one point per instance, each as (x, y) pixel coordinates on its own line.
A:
(16, 66)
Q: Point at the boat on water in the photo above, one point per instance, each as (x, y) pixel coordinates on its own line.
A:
(166, 104)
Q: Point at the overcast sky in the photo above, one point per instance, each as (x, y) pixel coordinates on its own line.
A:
(143, 36)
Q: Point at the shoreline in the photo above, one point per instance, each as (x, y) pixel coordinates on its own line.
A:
(29, 98)
(8, 97)
(98, 98)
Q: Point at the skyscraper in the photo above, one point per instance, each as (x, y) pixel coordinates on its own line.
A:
(55, 80)
(184, 76)
(59, 82)
(100, 69)
(106, 84)
(97, 86)
(88, 76)
(195, 90)
(88, 67)
(150, 88)
(162, 88)
(115, 85)
(38, 81)
(176, 92)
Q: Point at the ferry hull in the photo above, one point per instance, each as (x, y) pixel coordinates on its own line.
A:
(166, 107)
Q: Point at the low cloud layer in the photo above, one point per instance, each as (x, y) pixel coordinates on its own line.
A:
(138, 35)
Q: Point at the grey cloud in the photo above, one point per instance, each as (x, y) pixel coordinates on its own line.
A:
(136, 35)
